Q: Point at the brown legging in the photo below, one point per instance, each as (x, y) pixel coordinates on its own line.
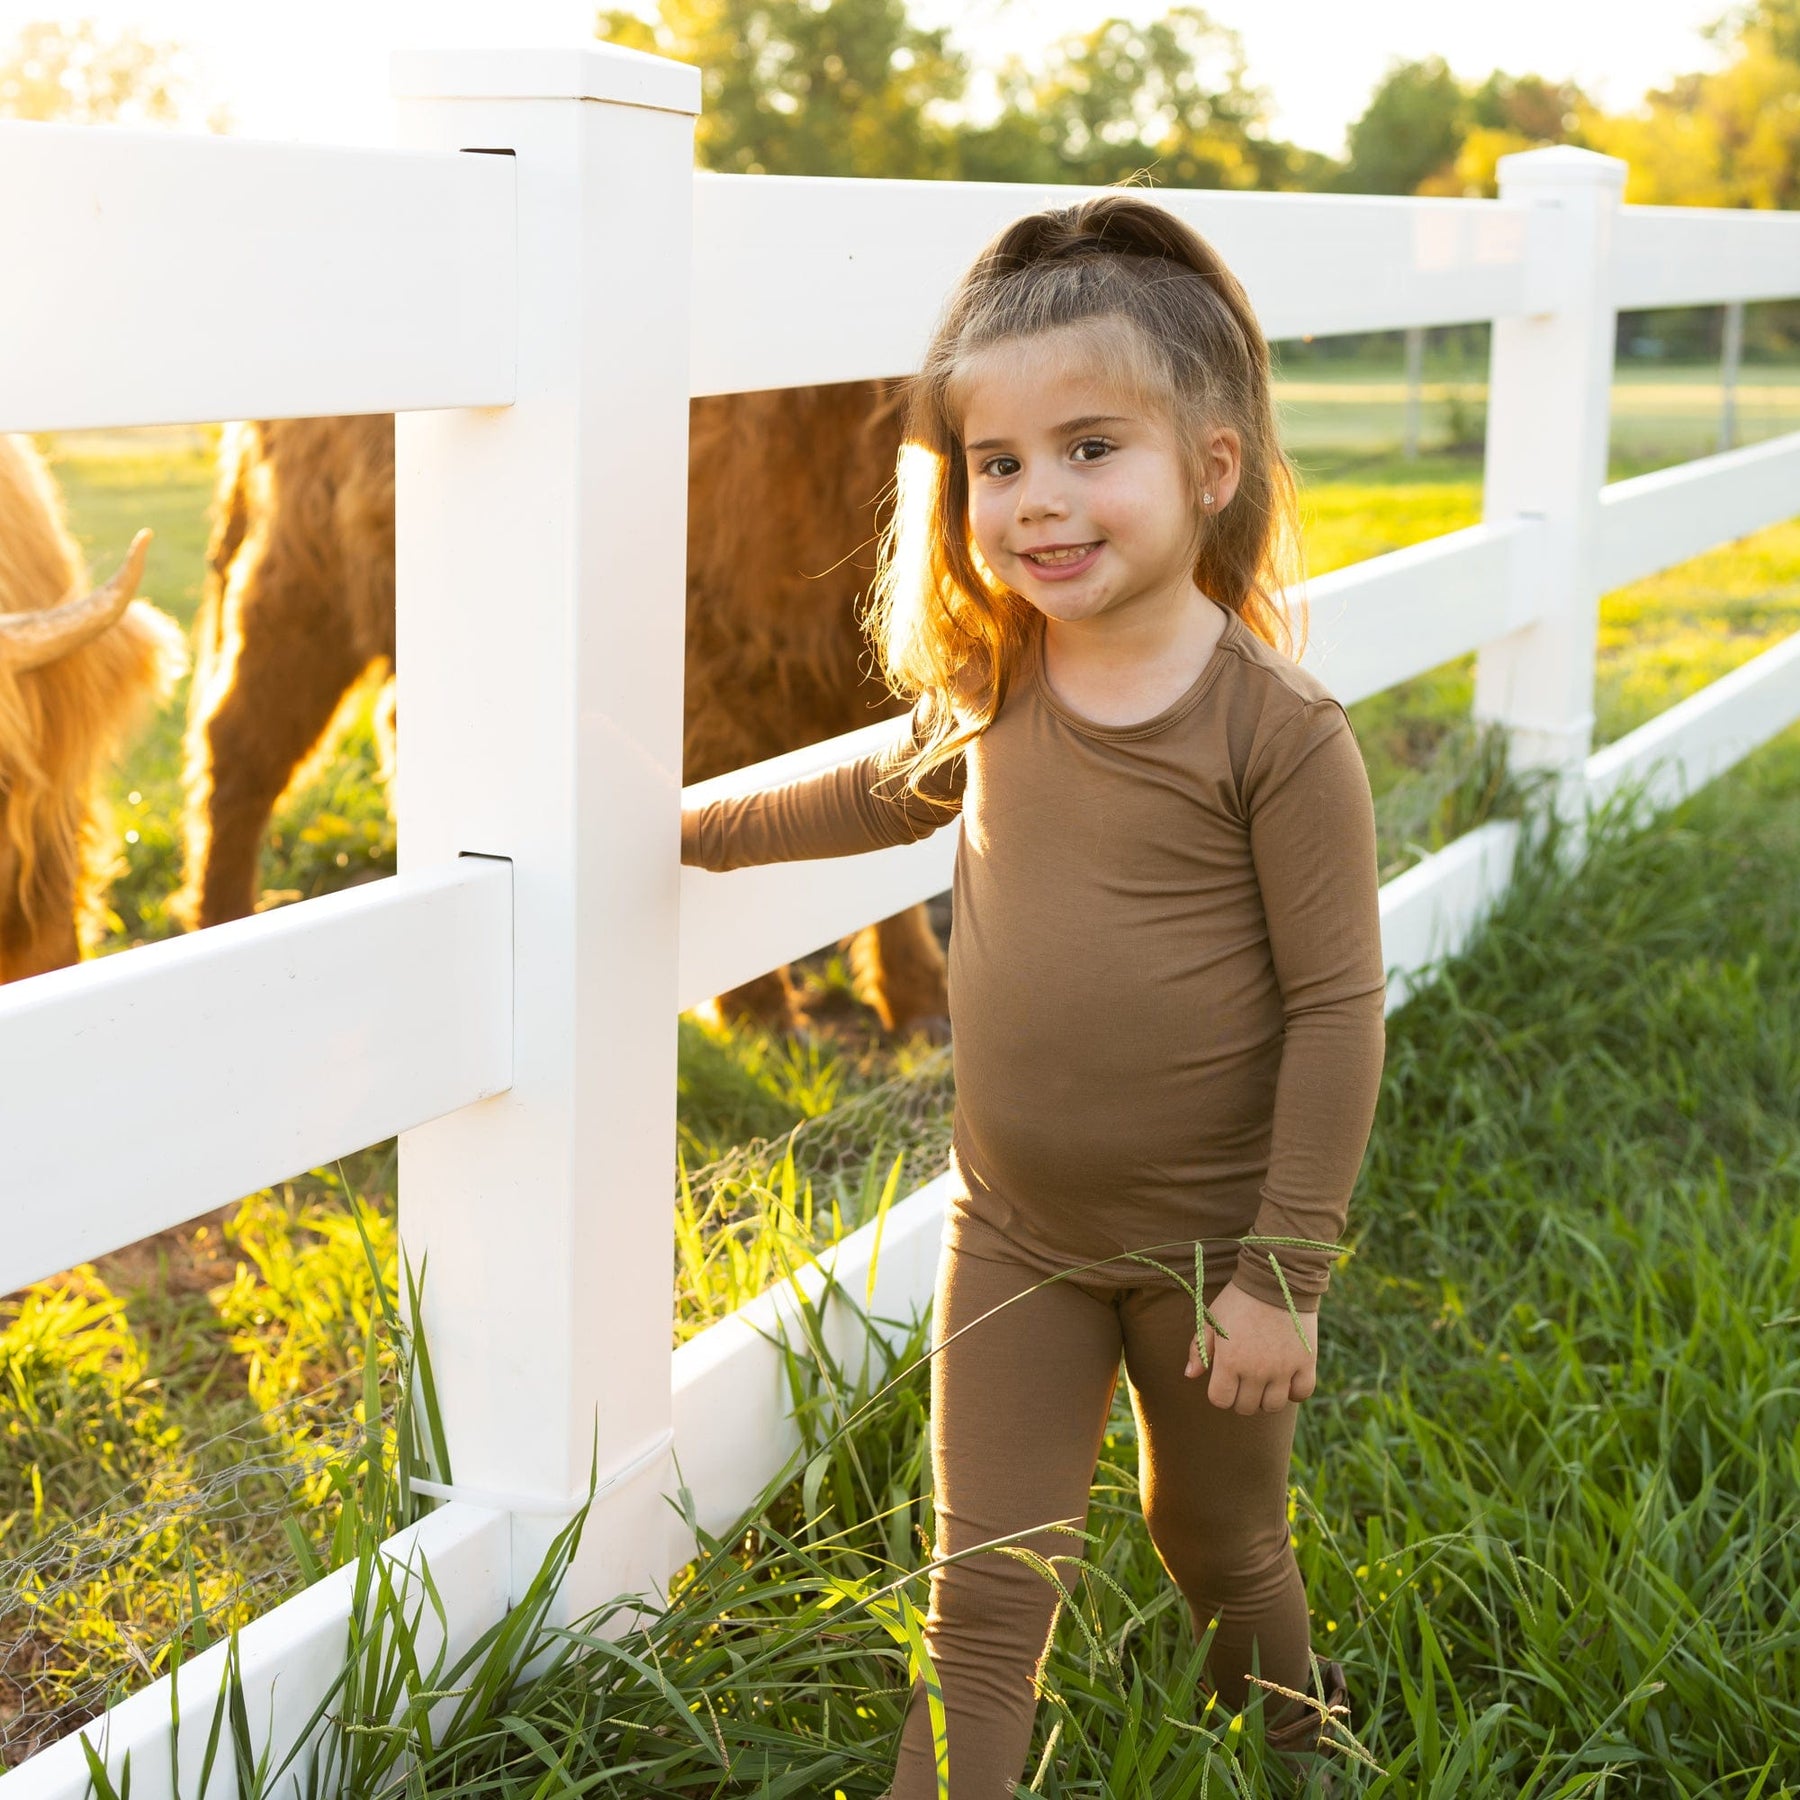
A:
(1019, 1404)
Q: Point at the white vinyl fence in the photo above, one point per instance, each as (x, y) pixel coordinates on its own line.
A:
(539, 313)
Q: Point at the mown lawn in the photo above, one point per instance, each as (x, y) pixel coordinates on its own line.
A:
(1574, 1249)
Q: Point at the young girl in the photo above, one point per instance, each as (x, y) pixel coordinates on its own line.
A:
(1165, 967)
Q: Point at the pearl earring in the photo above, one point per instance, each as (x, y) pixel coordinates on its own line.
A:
(1206, 499)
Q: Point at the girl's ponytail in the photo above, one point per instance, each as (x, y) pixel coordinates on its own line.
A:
(1111, 224)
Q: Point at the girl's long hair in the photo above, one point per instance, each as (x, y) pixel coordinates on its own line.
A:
(1153, 306)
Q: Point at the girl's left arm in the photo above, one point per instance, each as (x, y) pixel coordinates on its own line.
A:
(1312, 837)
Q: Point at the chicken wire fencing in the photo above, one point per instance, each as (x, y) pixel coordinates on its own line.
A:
(95, 1606)
(747, 1217)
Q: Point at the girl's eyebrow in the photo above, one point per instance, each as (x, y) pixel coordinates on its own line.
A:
(1068, 425)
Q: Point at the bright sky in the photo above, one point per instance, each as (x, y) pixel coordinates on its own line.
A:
(319, 70)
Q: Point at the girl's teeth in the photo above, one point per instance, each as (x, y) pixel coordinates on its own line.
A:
(1059, 556)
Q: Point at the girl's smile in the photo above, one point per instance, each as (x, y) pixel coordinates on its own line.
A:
(1057, 562)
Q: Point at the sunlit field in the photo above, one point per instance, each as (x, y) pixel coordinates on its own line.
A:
(1659, 415)
(1542, 1498)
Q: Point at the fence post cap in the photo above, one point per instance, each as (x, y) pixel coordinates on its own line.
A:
(1560, 165)
(608, 72)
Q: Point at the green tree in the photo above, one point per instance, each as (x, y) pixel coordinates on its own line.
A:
(1507, 114)
(1169, 98)
(791, 87)
(1411, 130)
(852, 87)
(1544, 112)
(1426, 132)
(72, 73)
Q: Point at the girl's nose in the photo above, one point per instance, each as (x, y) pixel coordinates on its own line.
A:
(1040, 499)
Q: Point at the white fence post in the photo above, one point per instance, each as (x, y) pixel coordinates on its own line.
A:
(1731, 358)
(1549, 411)
(541, 559)
(1415, 392)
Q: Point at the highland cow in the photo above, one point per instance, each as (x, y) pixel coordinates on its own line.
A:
(76, 671)
(783, 494)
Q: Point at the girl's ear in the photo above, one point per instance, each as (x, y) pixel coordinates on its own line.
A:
(1222, 466)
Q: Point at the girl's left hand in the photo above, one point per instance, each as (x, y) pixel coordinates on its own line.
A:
(1260, 1364)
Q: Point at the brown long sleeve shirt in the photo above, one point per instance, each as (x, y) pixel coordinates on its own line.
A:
(1166, 981)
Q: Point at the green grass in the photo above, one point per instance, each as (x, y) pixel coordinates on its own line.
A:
(1504, 1120)
(167, 1411)
(1542, 1497)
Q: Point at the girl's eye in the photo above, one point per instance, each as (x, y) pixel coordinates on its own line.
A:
(991, 466)
(1099, 447)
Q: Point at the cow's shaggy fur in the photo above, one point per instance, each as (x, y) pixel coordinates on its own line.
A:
(60, 724)
(782, 518)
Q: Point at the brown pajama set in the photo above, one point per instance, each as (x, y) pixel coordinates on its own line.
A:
(1166, 994)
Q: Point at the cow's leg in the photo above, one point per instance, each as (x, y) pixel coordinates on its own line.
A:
(770, 999)
(46, 940)
(897, 966)
(286, 665)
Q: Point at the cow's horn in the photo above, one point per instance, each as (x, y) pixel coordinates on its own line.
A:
(29, 640)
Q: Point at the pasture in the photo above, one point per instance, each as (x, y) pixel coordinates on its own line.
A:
(1604, 1087)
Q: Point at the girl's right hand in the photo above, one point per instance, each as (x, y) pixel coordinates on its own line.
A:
(1260, 1364)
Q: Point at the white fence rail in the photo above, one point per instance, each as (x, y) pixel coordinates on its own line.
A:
(1655, 521)
(541, 362)
(1701, 255)
(205, 278)
(799, 280)
(1702, 736)
(201, 1068)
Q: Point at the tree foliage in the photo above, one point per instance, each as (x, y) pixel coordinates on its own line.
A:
(1725, 137)
(1425, 131)
(1170, 99)
(1728, 137)
(69, 72)
(1412, 128)
(852, 87)
(847, 87)
(1777, 20)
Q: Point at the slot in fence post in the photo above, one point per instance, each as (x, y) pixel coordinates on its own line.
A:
(541, 568)
(1549, 412)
